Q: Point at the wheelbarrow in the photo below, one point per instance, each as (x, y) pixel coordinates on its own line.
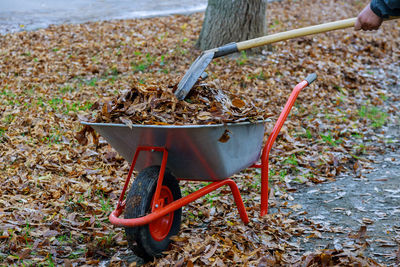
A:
(164, 154)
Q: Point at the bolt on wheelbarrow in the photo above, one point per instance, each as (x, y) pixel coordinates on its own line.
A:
(165, 154)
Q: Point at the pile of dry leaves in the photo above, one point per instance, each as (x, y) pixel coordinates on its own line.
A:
(56, 194)
(157, 104)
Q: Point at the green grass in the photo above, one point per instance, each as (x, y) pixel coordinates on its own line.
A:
(307, 176)
(242, 59)
(9, 118)
(7, 93)
(162, 60)
(383, 97)
(282, 175)
(142, 64)
(52, 139)
(272, 172)
(274, 24)
(360, 149)
(77, 106)
(106, 206)
(77, 253)
(357, 135)
(59, 105)
(92, 82)
(107, 240)
(259, 76)
(377, 117)
(210, 197)
(40, 102)
(55, 103)
(65, 239)
(54, 136)
(255, 182)
(49, 260)
(7, 97)
(328, 138)
(387, 141)
(67, 89)
(308, 134)
(28, 230)
(292, 160)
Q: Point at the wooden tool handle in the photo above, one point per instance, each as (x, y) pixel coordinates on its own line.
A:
(282, 36)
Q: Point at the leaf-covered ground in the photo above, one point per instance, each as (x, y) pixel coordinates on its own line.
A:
(56, 194)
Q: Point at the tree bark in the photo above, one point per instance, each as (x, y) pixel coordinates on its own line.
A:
(228, 21)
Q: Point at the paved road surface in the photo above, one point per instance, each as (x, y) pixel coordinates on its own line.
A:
(371, 200)
(17, 15)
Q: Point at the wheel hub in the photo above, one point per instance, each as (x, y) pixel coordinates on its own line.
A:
(160, 228)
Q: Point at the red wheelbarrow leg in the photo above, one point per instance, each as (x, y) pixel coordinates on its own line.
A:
(121, 203)
(238, 201)
(271, 140)
(180, 203)
(157, 213)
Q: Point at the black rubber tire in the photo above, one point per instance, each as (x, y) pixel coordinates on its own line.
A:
(138, 204)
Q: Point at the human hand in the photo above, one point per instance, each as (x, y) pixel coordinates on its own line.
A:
(367, 20)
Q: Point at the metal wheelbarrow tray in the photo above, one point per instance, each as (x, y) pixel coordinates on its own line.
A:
(195, 152)
(165, 154)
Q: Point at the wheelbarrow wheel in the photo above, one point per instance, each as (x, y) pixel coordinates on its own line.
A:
(151, 240)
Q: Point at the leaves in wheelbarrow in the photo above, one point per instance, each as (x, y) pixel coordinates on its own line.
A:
(156, 104)
(56, 194)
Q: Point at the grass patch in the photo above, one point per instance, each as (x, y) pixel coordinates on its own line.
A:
(142, 64)
(242, 59)
(374, 115)
(328, 138)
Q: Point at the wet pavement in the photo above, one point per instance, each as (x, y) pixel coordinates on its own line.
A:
(344, 207)
(17, 15)
(360, 210)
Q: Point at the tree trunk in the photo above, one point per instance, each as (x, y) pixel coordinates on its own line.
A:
(228, 21)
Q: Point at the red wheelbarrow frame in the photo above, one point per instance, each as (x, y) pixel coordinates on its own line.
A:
(158, 209)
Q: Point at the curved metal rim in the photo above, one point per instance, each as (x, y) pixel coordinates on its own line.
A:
(173, 126)
(159, 229)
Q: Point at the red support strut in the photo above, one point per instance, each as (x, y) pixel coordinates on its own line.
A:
(162, 211)
(271, 139)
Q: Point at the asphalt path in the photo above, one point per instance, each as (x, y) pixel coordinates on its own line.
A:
(18, 15)
(360, 211)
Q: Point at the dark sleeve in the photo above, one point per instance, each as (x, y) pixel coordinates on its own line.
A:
(386, 8)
